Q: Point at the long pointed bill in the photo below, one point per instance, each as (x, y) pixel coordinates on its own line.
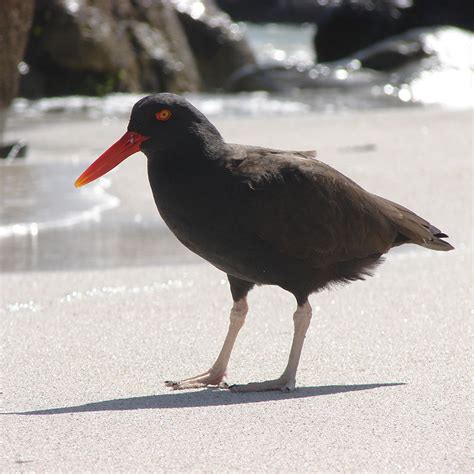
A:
(121, 149)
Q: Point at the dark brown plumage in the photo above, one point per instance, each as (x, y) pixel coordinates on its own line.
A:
(262, 216)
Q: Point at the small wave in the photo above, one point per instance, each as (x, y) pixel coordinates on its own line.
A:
(118, 106)
(30, 201)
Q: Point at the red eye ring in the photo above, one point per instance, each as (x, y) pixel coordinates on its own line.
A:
(163, 115)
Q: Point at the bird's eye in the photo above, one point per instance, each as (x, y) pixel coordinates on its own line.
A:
(163, 115)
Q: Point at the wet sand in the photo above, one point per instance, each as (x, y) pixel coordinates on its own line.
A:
(95, 318)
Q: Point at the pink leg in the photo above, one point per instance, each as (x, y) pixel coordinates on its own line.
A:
(215, 376)
(286, 382)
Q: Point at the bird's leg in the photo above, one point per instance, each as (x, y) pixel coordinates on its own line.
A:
(286, 382)
(216, 374)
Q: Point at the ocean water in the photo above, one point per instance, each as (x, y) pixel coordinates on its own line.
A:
(40, 231)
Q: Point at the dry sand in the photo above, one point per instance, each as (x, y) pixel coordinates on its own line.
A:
(385, 377)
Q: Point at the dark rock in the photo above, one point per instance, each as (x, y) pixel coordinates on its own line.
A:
(15, 21)
(10, 151)
(218, 44)
(93, 47)
(396, 51)
(77, 48)
(346, 26)
(356, 24)
(459, 13)
(281, 11)
(162, 49)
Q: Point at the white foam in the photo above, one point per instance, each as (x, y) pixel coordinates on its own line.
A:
(103, 202)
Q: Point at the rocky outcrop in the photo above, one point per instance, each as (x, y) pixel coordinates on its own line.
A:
(15, 21)
(94, 47)
(165, 59)
(397, 51)
(280, 11)
(346, 26)
(218, 44)
(353, 25)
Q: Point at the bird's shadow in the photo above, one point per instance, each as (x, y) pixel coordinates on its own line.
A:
(201, 398)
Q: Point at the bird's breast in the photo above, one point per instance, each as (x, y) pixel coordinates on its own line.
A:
(197, 208)
(206, 216)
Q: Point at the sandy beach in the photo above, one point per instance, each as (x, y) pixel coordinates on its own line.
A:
(385, 377)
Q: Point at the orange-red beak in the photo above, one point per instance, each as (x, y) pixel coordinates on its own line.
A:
(121, 149)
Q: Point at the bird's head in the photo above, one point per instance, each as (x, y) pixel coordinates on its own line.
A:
(159, 124)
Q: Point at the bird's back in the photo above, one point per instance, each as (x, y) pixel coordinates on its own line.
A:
(307, 211)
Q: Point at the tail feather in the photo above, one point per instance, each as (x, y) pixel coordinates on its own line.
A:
(437, 244)
(414, 229)
(436, 232)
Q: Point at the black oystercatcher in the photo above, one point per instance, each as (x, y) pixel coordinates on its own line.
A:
(262, 216)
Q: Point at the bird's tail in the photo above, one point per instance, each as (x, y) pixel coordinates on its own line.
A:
(414, 229)
(436, 242)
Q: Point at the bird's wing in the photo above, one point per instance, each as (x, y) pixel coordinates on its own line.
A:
(306, 209)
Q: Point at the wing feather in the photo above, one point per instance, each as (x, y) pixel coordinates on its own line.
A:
(308, 210)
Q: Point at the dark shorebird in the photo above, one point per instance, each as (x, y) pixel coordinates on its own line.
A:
(262, 216)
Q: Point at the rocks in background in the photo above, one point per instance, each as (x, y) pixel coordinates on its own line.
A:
(397, 51)
(353, 25)
(75, 47)
(166, 61)
(347, 26)
(94, 47)
(280, 11)
(218, 45)
(15, 21)
(356, 24)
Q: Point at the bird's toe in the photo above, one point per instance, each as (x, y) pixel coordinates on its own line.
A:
(175, 385)
(288, 387)
(206, 379)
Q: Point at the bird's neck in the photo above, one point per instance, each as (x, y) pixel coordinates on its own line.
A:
(200, 152)
(204, 139)
(187, 184)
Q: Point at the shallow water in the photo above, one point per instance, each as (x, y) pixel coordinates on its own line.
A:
(38, 231)
(30, 204)
(111, 243)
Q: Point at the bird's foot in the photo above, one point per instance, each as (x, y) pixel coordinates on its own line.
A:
(282, 384)
(209, 378)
